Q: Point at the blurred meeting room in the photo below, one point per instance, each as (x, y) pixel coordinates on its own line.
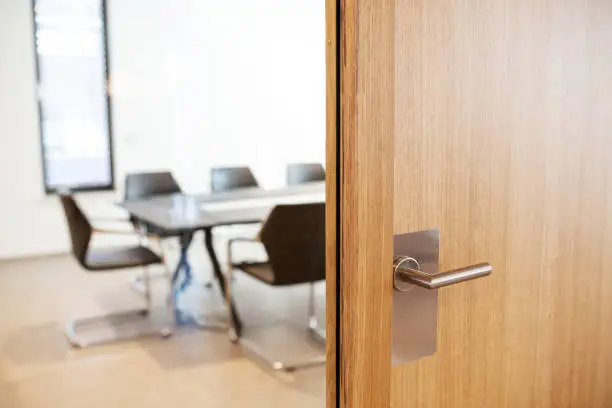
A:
(162, 236)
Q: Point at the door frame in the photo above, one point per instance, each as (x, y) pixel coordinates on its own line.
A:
(360, 48)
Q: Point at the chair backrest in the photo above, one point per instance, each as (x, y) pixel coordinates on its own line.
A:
(300, 173)
(143, 185)
(294, 238)
(78, 225)
(231, 178)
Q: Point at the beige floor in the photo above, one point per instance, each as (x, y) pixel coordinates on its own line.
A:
(192, 369)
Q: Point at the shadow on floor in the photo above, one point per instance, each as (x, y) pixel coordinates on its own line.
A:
(36, 345)
(189, 348)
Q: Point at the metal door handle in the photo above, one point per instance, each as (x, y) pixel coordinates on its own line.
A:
(408, 270)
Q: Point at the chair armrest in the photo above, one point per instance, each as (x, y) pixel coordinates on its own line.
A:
(108, 219)
(133, 233)
(232, 241)
(243, 239)
(111, 223)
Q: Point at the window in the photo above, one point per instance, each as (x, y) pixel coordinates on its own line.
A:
(74, 107)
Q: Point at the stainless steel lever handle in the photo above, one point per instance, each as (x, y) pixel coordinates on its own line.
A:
(408, 270)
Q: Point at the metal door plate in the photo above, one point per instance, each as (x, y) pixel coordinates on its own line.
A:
(415, 312)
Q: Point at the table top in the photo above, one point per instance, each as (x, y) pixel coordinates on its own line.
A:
(178, 213)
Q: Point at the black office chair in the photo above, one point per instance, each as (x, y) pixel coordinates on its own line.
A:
(293, 237)
(102, 260)
(144, 185)
(300, 173)
(231, 178)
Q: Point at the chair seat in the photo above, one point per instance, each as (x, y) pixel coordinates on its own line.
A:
(108, 259)
(259, 270)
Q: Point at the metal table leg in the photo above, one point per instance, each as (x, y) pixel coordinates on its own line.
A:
(208, 241)
(185, 318)
(183, 264)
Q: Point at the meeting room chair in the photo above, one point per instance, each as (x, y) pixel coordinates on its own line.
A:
(106, 260)
(300, 173)
(144, 185)
(231, 178)
(293, 237)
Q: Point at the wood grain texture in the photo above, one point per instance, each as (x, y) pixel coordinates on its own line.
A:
(331, 61)
(366, 201)
(503, 132)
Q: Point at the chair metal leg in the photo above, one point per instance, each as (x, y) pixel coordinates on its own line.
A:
(313, 322)
(205, 323)
(229, 279)
(255, 349)
(279, 365)
(138, 284)
(147, 286)
(73, 328)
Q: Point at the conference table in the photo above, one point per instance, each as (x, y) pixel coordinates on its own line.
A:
(183, 215)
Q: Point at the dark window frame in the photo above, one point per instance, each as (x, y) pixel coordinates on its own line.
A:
(107, 187)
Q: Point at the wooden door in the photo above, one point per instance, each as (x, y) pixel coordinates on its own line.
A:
(491, 120)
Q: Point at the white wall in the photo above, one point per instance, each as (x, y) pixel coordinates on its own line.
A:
(205, 83)
(195, 83)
